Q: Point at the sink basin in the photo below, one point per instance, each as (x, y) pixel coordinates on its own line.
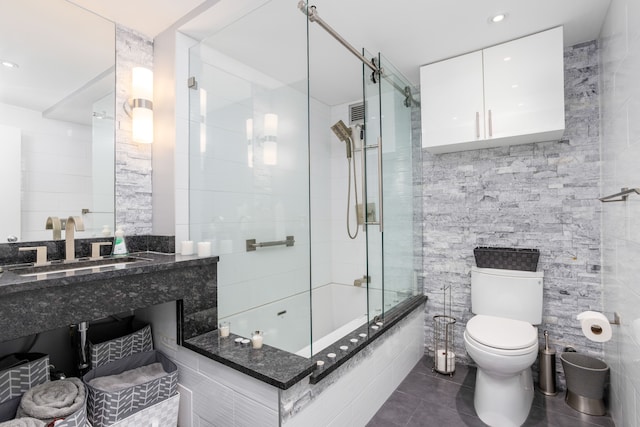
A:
(102, 264)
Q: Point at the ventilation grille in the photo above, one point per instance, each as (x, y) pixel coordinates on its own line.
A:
(356, 113)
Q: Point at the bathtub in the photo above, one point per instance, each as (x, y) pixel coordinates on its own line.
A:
(337, 310)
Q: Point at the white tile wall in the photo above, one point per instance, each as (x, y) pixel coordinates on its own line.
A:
(56, 169)
(359, 388)
(348, 257)
(10, 150)
(620, 62)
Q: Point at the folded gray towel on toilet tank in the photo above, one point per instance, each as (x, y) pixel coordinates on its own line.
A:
(130, 378)
(54, 399)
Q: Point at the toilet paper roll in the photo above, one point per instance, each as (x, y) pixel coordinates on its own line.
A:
(446, 361)
(595, 326)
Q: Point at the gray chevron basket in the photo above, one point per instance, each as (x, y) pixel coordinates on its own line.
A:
(162, 414)
(106, 408)
(135, 337)
(29, 370)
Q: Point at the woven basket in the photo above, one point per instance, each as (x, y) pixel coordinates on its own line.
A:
(15, 381)
(113, 341)
(162, 414)
(106, 408)
(507, 258)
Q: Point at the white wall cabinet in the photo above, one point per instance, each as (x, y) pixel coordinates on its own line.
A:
(512, 93)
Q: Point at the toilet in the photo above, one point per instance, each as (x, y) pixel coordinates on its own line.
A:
(503, 342)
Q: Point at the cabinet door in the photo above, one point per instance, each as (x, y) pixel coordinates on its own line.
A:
(451, 101)
(524, 86)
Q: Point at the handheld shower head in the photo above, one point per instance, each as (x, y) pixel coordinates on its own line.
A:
(344, 134)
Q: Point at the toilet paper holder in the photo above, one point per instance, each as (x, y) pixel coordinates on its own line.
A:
(616, 319)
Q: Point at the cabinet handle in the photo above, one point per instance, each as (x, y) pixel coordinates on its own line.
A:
(477, 125)
(490, 126)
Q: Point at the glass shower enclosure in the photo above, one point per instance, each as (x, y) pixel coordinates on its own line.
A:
(270, 183)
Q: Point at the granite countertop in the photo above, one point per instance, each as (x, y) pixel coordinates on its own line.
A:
(269, 364)
(145, 262)
(50, 300)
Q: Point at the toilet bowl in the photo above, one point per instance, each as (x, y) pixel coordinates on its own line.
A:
(504, 350)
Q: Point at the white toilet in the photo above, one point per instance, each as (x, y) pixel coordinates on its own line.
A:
(503, 342)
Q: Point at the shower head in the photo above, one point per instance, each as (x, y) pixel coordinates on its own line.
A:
(344, 134)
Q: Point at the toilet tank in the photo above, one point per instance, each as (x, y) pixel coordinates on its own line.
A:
(507, 293)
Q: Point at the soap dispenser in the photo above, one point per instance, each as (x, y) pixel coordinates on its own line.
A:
(119, 245)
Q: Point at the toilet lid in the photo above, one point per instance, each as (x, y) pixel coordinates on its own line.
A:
(499, 332)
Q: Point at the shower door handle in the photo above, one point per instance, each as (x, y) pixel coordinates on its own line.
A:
(477, 125)
(380, 203)
(380, 221)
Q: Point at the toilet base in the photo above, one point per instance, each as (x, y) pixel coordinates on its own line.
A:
(585, 404)
(503, 401)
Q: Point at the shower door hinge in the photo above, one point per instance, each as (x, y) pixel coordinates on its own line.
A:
(192, 83)
(359, 282)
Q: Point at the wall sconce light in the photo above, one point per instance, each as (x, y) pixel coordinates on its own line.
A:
(270, 145)
(203, 121)
(269, 140)
(140, 107)
(249, 133)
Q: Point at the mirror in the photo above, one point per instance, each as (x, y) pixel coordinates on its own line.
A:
(57, 100)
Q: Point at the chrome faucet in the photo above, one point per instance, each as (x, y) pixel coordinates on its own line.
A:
(54, 223)
(73, 223)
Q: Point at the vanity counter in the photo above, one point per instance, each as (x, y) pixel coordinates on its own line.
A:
(47, 301)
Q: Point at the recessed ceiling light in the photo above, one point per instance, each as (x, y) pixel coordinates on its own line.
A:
(9, 64)
(498, 18)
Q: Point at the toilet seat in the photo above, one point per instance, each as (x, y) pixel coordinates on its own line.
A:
(502, 335)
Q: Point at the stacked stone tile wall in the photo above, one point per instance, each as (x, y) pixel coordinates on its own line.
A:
(133, 161)
(542, 196)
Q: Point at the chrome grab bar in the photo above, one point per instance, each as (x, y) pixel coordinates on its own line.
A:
(252, 245)
(623, 195)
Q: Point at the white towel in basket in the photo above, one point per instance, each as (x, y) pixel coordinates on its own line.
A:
(53, 399)
(130, 378)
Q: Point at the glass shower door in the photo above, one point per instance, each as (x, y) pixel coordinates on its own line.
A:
(249, 176)
(373, 192)
(400, 185)
(390, 187)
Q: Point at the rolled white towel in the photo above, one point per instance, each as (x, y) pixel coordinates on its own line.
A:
(130, 378)
(53, 399)
(23, 422)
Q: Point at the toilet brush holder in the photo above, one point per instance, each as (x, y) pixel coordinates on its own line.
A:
(547, 363)
(548, 373)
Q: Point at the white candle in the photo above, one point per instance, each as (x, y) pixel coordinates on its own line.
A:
(187, 247)
(256, 340)
(225, 328)
(204, 249)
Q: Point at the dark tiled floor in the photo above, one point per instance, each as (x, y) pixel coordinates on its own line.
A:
(429, 399)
